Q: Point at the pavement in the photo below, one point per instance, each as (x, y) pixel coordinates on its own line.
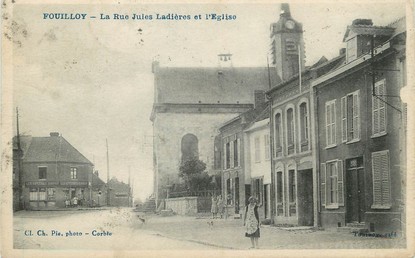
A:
(230, 234)
(172, 232)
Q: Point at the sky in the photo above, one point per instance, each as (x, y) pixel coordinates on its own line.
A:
(91, 80)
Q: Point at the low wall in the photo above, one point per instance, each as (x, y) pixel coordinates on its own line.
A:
(182, 205)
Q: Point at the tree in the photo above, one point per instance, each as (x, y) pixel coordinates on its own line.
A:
(193, 173)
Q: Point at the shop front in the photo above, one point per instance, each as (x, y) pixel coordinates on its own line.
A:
(55, 194)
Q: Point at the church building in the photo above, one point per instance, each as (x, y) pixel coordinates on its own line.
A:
(190, 104)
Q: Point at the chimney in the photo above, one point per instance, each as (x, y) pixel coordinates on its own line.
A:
(259, 97)
(54, 134)
(367, 22)
(225, 60)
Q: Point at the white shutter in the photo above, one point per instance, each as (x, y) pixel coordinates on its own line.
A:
(344, 119)
(224, 156)
(238, 143)
(356, 116)
(232, 154)
(386, 191)
(382, 108)
(340, 185)
(323, 183)
(333, 121)
(328, 126)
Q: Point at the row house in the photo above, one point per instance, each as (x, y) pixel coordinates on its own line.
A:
(236, 183)
(360, 130)
(52, 171)
(291, 168)
(257, 156)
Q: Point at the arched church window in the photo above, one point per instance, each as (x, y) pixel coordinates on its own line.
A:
(190, 147)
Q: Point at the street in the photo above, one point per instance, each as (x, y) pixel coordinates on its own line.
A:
(63, 230)
(120, 229)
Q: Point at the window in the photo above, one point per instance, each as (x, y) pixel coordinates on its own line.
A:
(227, 155)
(42, 172)
(229, 197)
(290, 131)
(267, 148)
(331, 123)
(291, 47)
(381, 180)
(236, 149)
(258, 189)
(74, 173)
(189, 147)
(304, 126)
(278, 133)
(232, 154)
(350, 112)
(279, 187)
(379, 109)
(291, 183)
(257, 150)
(332, 184)
(42, 194)
(351, 49)
(33, 196)
(51, 194)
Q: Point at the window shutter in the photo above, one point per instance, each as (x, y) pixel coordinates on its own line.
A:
(344, 119)
(232, 154)
(238, 143)
(340, 185)
(224, 156)
(382, 108)
(377, 182)
(386, 191)
(328, 132)
(375, 113)
(323, 183)
(356, 112)
(261, 193)
(333, 121)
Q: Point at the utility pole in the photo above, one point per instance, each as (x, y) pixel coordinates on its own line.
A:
(19, 162)
(129, 187)
(108, 175)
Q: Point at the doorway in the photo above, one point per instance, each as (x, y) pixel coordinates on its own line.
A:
(355, 192)
(305, 197)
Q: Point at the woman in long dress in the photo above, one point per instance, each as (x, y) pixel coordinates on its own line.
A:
(214, 208)
(251, 222)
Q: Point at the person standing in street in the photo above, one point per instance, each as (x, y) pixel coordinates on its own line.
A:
(220, 205)
(251, 222)
(214, 208)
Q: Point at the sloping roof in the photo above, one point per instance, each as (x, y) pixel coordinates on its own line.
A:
(96, 181)
(211, 85)
(25, 141)
(353, 30)
(53, 149)
(249, 116)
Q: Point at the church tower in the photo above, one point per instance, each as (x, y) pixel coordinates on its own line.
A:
(287, 45)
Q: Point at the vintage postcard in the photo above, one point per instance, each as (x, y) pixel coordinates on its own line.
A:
(217, 128)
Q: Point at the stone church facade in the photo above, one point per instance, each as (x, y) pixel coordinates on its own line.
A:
(190, 104)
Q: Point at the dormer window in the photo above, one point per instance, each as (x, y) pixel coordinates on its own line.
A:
(351, 51)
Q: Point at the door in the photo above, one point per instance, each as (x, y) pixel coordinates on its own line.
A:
(355, 195)
(305, 198)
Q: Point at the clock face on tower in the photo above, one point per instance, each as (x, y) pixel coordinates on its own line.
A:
(290, 24)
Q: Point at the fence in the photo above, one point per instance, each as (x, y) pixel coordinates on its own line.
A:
(203, 193)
